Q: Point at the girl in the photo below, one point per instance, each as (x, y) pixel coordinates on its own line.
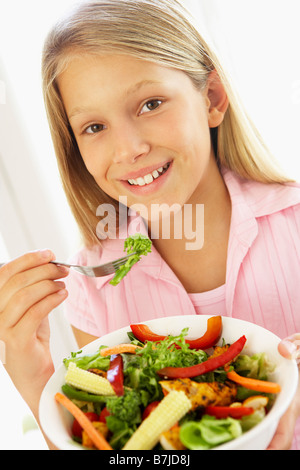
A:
(142, 115)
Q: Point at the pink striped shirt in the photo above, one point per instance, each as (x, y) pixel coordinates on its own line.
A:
(262, 280)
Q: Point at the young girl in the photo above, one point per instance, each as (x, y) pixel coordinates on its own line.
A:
(142, 117)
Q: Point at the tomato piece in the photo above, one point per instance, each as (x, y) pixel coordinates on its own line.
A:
(104, 413)
(115, 374)
(77, 429)
(207, 366)
(236, 412)
(209, 339)
(149, 408)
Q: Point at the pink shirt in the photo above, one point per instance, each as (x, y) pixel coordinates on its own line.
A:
(262, 280)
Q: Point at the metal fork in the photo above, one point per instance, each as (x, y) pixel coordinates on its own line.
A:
(100, 270)
(95, 271)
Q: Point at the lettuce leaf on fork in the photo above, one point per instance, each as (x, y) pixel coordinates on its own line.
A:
(137, 244)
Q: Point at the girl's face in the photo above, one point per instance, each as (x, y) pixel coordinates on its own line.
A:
(142, 129)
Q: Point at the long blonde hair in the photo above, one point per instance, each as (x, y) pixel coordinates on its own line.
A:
(155, 30)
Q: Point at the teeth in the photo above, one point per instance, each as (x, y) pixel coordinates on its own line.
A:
(148, 179)
(143, 180)
(140, 181)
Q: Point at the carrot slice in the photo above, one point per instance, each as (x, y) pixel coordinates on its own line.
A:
(98, 439)
(119, 349)
(254, 384)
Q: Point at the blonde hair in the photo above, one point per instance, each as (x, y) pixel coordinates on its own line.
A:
(154, 30)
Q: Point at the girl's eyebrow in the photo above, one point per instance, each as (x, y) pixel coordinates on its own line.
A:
(132, 89)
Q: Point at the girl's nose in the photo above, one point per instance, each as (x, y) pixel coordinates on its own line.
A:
(129, 144)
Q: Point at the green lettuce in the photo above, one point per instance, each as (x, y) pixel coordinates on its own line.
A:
(257, 366)
(209, 432)
(139, 245)
(88, 361)
(140, 369)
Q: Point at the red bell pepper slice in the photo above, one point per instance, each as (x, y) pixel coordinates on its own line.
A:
(236, 412)
(209, 339)
(115, 374)
(143, 333)
(207, 366)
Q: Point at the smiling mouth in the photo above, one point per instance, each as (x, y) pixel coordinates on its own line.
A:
(150, 177)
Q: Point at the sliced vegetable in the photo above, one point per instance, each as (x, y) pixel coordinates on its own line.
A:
(209, 432)
(100, 427)
(257, 402)
(207, 366)
(87, 381)
(170, 410)
(254, 384)
(79, 395)
(77, 428)
(119, 349)
(143, 333)
(228, 411)
(98, 439)
(212, 335)
(103, 415)
(115, 374)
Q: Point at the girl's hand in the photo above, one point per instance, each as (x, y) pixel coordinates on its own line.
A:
(282, 440)
(290, 347)
(29, 291)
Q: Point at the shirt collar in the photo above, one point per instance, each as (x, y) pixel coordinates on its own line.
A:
(262, 199)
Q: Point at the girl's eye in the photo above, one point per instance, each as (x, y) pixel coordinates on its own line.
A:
(94, 129)
(151, 106)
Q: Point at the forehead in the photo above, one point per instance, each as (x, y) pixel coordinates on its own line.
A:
(89, 81)
(113, 71)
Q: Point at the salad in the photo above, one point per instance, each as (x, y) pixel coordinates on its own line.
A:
(139, 245)
(166, 392)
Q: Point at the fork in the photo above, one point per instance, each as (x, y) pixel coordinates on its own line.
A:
(95, 271)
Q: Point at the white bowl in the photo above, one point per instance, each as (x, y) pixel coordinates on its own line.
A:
(56, 422)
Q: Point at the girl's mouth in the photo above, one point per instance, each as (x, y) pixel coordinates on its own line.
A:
(150, 177)
(149, 183)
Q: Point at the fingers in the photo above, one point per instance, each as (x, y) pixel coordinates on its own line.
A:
(23, 263)
(24, 279)
(29, 323)
(290, 347)
(27, 300)
(26, 282)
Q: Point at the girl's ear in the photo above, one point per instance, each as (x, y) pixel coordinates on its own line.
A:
(217, 100)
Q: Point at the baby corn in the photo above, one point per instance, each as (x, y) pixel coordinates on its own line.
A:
(87, 381)
(172, 408)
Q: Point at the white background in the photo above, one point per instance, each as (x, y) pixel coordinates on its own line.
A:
(258, 42)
